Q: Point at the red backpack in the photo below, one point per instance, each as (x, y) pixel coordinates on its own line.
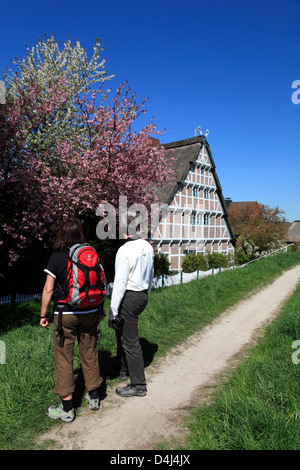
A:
(86, 281)
(85, 286)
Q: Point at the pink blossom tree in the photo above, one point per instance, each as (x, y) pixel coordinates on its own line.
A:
(111, 160)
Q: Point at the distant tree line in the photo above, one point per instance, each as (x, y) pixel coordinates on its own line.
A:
(257, 228)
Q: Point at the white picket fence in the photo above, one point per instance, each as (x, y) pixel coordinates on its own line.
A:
(8, 299)
(159, 281)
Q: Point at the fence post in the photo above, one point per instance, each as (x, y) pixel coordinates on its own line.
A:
(181, 277)
(162, 281)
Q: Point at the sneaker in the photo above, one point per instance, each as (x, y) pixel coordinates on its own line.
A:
(130, 391)
(94, 403)
(57, 412)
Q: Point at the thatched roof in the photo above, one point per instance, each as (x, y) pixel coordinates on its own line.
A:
(293, 234)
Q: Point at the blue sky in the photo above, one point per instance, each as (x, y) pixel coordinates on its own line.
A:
(224, 65)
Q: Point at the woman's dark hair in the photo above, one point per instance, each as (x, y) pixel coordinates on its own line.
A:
(70, 233)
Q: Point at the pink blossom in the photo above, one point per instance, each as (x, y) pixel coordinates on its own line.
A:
(108, 160)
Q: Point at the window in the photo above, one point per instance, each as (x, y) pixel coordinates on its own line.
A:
(193, 218)
(206, 219)
(206, 194)
(195, 192)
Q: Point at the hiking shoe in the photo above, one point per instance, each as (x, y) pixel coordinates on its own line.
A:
(57, 412)
(130, 391)
(94, 403)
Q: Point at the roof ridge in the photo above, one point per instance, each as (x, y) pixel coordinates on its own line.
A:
(184, 142)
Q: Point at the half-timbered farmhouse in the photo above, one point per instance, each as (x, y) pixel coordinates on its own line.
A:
(196, 220)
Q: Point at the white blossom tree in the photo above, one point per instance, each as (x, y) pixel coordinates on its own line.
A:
(46, 68)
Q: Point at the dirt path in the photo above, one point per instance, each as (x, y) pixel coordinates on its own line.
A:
(177, 382)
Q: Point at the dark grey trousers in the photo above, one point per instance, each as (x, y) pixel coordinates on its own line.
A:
(129, 349)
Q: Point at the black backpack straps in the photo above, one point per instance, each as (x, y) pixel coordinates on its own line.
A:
(59, 328)
(85, 287)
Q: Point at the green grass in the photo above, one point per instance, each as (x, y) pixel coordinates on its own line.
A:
(176, 312)
(258, 407)
(173, 314)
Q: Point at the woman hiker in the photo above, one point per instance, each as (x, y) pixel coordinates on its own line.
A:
(76, 323)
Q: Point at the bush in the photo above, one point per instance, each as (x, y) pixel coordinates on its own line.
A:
(292, 248)
(189, 264)
(192, 263)
(240, 257)
(202, 262)
(217, 260)
(161, 264)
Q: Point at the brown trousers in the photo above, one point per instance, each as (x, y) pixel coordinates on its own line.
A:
(84, 328)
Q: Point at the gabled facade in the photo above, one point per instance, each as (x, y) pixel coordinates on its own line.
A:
(197, 219)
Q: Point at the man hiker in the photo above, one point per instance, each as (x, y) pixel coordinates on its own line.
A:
(132, 283)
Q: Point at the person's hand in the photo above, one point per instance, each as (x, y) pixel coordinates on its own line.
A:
(116, 323)
(44, 322)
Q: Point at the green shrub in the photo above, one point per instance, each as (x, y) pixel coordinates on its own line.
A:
(161, 264)
(192, 263)
(189, 264)
(292, 248)
(240, 257)
(202, 262)
(217, 260)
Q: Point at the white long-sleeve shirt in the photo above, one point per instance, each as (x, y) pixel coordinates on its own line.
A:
(134, 270)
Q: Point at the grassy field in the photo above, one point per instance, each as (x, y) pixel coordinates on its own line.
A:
(173, 313)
